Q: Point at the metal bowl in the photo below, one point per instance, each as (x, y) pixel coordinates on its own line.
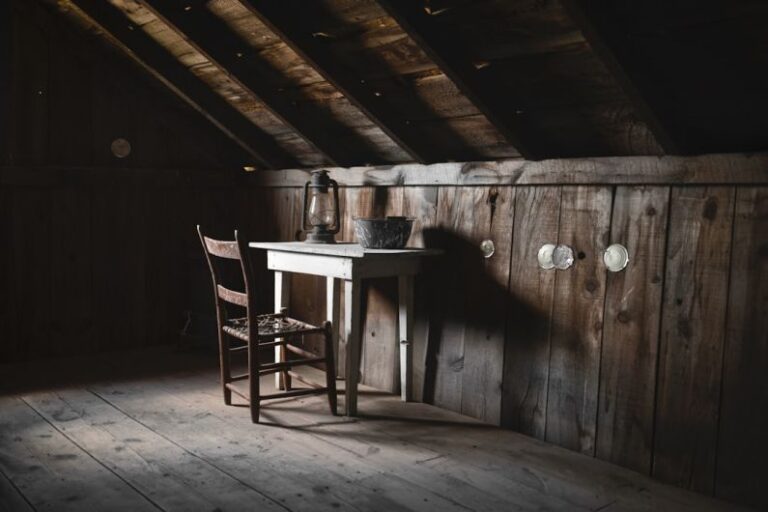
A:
(389, 233)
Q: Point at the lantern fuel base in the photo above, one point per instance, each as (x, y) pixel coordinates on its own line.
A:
(320, 220)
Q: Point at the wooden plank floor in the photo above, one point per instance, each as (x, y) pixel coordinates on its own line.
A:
(117, 438)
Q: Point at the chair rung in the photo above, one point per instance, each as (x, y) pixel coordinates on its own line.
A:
(272, 343)
(237, 392)
(304, 380)
(289, 364)
(294, 392)
(238, 349)
(235, 378)
(301, 351)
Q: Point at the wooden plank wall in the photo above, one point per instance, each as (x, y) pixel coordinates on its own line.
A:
(656, 368)
(93, 260)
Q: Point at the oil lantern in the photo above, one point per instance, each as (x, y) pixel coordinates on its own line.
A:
(321, 208)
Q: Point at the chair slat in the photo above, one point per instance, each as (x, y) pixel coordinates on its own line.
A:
(233, 297)
(222, 248)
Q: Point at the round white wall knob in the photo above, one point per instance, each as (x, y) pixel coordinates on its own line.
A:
(545, 256)
(487, 248)
(616, 258)
(562, 257)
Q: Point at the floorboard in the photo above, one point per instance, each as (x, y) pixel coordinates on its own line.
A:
(162, 439)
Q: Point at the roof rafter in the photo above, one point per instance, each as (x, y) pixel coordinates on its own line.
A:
(297, 33)
(611, 47)
(506, 114)
(212, 37)
(164, 66)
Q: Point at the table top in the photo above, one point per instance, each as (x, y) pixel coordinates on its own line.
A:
(342, 249)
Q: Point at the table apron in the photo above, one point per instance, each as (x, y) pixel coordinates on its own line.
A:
(315, 264)
(342, 267)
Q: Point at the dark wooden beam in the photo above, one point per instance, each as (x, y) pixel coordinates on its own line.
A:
(211, 36)
(161, 63)
(507, 114)
(714, 169)
(295, 30)
(613, 48)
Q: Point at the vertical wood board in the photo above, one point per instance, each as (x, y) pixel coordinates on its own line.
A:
(472, 298)
(631, 329)
(742, 447)
(692, 334)
(577, 320)
(531, 295)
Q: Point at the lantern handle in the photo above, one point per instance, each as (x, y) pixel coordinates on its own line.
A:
(304, 208)
(336, 207)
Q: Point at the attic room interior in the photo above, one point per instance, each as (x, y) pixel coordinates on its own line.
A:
(383, 255)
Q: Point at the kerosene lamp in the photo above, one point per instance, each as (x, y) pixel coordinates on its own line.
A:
(321, 209)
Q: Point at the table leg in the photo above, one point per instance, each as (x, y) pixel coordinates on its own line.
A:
(332, 314)
(282, 301)
(405, 334)
(353, 337)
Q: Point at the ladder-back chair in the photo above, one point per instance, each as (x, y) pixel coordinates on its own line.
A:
(254, 331)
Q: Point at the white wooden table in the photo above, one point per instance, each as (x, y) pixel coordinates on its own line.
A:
(351, 264)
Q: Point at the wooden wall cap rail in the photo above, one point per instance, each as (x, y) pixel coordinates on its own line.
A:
(712, 169)
(730, 169)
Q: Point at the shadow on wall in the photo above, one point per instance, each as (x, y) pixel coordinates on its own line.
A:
(468, 312)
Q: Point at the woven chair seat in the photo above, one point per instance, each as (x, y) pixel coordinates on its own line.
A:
(270, 326)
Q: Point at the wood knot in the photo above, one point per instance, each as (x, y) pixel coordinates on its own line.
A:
(656, 279)
(684, 328)
(650, 211)
(623, 317)
(591, 285)
(710, 209)
(457, 365)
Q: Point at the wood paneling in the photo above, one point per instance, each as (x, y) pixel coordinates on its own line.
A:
(741, 448)
(577, 320)
(531, 297)
(594, 361)
(29, 90)
(6, 80)
(631, 328)
(69, 250)
(692, 336)
(471, 298)
(31, 263)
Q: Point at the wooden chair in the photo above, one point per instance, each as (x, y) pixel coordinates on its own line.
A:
(254, 331)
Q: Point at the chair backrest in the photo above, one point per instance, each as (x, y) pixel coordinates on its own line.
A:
(236, 249)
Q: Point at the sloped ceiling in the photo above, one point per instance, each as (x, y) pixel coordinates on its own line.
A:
(354, 82)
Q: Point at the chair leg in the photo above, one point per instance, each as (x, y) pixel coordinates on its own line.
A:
(226, 375)
(285, 377)
(330, 368)
(253, 380)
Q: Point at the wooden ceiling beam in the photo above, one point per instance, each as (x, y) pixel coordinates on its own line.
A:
(164, 66)
(612, 47)
(213, 38)
(507, 114)
(296, 31)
